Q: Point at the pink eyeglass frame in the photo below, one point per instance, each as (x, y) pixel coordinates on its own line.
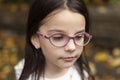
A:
(69, 37)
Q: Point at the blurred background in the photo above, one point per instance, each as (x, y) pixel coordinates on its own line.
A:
(103, 52)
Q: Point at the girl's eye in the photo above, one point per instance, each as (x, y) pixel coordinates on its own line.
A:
(78, 37)
(58, 37)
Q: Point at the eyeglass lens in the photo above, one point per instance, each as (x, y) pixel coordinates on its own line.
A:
(62, 39)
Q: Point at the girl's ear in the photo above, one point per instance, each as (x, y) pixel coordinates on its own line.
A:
(35, 41)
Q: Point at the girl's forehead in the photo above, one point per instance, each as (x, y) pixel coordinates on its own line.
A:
(65, 30)
(64, 20)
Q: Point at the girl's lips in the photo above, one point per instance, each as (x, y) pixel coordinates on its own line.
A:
(68, 59)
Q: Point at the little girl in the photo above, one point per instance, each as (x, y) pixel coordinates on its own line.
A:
(57, 31)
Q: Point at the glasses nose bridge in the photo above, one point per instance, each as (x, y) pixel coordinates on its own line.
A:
(70, 44)
(71, 38)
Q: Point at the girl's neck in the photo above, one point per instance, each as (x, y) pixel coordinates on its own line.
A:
(57, 72)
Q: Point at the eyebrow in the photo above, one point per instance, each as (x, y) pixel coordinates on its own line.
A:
(55, 30)
(61, 31)
(83, 30)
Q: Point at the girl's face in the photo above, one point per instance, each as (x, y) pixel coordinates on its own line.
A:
(65, 22)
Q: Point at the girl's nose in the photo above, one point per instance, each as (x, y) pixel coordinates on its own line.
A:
(70, 46)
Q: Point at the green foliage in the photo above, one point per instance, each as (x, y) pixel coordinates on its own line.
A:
(99, 2)
(114, 1)
(9, 1)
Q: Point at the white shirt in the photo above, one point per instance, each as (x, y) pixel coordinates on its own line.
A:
(71, 74)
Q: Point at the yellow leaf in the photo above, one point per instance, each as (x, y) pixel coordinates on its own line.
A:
(13, 59)
(10, 42)
(13, 7)
(101, 56)
(1, 63)
(116, 52)
(114, 62)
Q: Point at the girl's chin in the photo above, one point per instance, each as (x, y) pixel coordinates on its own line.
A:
(67, 66)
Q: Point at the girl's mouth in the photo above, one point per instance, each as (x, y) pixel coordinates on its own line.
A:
(68, 59)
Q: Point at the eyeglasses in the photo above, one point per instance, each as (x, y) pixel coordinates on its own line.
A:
(61, 39)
